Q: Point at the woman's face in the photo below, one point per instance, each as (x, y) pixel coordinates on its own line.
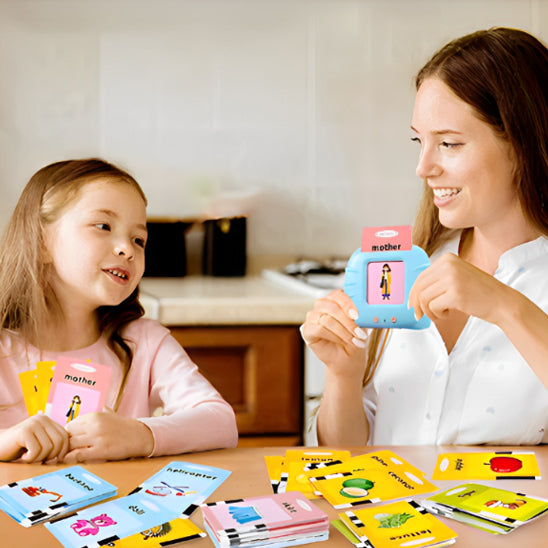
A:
(468, 167)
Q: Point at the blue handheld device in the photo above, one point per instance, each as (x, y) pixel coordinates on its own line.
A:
(378, 282)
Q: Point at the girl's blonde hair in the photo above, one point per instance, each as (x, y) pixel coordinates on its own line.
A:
(27, 300)
(502, 73)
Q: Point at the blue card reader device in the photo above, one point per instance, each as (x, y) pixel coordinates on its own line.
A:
(379, 281)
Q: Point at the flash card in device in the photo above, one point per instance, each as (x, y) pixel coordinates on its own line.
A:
(380, 275)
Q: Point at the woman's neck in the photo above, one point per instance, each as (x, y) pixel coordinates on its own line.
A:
(483, 249)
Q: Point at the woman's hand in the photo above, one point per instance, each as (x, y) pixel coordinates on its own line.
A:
(331, 332)
(36, 439)
(451, 283)
(107, 436)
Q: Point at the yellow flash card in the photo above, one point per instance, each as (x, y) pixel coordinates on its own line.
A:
(297, 459)
(397, 524)
(486, 466)
(274, 467)
(29, 386)
(373, 477)
(45, 370)
(383, 459)
(174, 531)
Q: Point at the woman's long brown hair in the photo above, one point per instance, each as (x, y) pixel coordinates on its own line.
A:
(502, 73)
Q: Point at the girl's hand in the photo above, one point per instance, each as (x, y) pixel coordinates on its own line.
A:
(36, 439)
(453, 284)
(107, 436)
(331, 332)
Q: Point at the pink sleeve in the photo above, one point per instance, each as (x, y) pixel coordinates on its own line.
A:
(195, 416)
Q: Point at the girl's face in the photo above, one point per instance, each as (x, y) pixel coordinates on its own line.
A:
(97, 247)
(469, 168)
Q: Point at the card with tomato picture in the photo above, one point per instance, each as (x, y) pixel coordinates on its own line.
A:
(486, 466)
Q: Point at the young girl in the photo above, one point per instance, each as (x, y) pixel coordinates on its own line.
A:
(479, 373)
(70, 264)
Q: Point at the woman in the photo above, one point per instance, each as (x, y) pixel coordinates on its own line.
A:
(479, 373)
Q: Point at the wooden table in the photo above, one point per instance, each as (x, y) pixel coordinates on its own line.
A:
(249, 478)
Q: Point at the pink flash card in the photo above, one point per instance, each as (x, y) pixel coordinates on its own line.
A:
(77, 387)
(386, 238)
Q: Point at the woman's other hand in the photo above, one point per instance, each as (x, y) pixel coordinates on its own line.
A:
(452, 284)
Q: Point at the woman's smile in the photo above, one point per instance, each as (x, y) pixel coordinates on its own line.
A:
(444, 196)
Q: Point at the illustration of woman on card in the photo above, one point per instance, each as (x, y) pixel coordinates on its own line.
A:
(74, 408)
(386, 281)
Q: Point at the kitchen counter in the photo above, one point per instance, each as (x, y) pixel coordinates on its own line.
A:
(207, 300)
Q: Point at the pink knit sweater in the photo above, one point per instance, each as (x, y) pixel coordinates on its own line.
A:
(194, 418)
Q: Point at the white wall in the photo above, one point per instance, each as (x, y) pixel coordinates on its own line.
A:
(308, 100)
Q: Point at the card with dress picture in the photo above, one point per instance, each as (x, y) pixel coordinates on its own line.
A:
(483, 465)
(182, 486)
(488, 508)
(282, 542)
(374, 477)
(397, 524)
(50, 495)
(277, 518)
(77, 387)
(166, 534)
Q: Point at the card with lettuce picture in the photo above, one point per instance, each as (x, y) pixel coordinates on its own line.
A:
(396, 524)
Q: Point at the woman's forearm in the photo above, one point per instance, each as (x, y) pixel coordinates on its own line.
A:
(526, 326)
(341, 417)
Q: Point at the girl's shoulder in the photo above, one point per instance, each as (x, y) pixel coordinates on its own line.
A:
(10, 342)
(150, 339)
(146, 335)
(145, 331)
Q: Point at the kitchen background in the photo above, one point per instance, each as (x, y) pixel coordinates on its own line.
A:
(296, 112)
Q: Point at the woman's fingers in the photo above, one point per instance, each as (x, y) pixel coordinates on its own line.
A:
(332, 320)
